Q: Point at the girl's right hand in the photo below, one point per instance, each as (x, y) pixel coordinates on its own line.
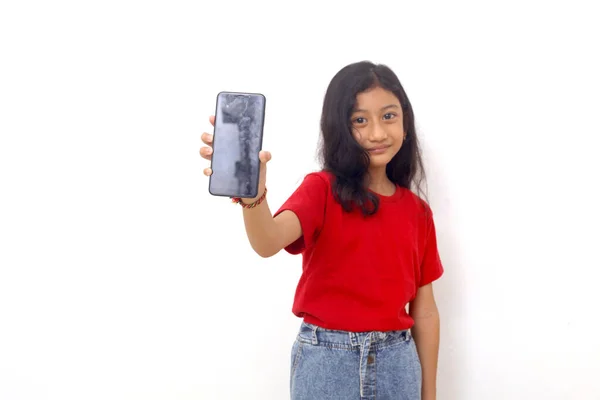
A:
(206, 151)
(264, 156)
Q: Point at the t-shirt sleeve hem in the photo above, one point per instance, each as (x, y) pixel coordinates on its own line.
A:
(432, 278)
(307, 203)
(296, 247)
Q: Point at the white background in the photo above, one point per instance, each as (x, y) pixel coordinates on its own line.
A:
(121, 278)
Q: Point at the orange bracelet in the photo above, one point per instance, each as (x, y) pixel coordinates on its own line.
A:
(239, 201)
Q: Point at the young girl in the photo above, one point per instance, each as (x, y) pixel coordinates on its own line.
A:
(368, 246)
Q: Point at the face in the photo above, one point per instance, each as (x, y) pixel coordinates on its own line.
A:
(377, 125)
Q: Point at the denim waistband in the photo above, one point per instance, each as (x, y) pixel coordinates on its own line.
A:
(316, 335)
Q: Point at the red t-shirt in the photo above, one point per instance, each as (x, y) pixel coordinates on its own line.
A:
(359, 273)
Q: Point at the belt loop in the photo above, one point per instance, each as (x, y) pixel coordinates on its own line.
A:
(353, 340)
(315, 341)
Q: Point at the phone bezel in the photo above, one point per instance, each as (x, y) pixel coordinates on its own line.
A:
(215, 138)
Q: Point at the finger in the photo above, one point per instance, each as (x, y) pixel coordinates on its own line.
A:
(206, 152)
(264, 156)
(207, 138)
(211, 119)
(207, 171)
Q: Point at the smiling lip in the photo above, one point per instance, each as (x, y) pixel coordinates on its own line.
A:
(378, 149)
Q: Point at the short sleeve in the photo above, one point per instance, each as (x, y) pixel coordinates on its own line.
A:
(308, 203)
(431, 265)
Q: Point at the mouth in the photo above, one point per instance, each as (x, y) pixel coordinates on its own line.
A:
(378, 149)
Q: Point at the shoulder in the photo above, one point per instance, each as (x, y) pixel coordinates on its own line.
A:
(313, 189)
(416, 203)
(323, 175)
(318, 179)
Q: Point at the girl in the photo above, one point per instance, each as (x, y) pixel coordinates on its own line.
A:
(369, 254)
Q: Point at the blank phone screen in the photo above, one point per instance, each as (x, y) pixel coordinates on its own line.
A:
(237, 141)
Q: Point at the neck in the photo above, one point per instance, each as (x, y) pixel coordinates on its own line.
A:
(379, 182)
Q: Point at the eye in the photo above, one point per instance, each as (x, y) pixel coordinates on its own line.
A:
(389, 116)
(359, 120)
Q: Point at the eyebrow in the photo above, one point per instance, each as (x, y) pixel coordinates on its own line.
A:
(382, 108)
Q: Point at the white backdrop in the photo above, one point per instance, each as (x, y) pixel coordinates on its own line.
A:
(121, 278)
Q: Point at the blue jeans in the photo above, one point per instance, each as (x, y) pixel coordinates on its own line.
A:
(329, 365)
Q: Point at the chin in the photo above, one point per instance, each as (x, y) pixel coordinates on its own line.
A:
(379, 162)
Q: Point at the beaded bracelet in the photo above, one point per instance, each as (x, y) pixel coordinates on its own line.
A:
(238, 200)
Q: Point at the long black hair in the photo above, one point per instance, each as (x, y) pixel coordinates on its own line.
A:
(341, 154)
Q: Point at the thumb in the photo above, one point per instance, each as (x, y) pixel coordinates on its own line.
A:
(264, 157)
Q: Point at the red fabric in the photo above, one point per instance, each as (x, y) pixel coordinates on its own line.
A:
(359, 273)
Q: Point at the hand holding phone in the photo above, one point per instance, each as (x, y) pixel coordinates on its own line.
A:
(237, 141)
(207, 151)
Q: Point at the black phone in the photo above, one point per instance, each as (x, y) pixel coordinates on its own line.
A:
(237, 140)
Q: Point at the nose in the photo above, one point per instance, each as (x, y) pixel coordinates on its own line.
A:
(377, 133)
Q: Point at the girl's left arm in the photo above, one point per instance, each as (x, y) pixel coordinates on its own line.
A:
(426, 333)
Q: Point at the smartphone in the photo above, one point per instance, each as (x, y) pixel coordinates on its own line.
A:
(237, 140)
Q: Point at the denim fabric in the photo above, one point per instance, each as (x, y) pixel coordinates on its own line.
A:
(329, 365)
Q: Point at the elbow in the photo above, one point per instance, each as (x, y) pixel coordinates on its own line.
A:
(265, 252)
(426, 313)
(266, 248)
